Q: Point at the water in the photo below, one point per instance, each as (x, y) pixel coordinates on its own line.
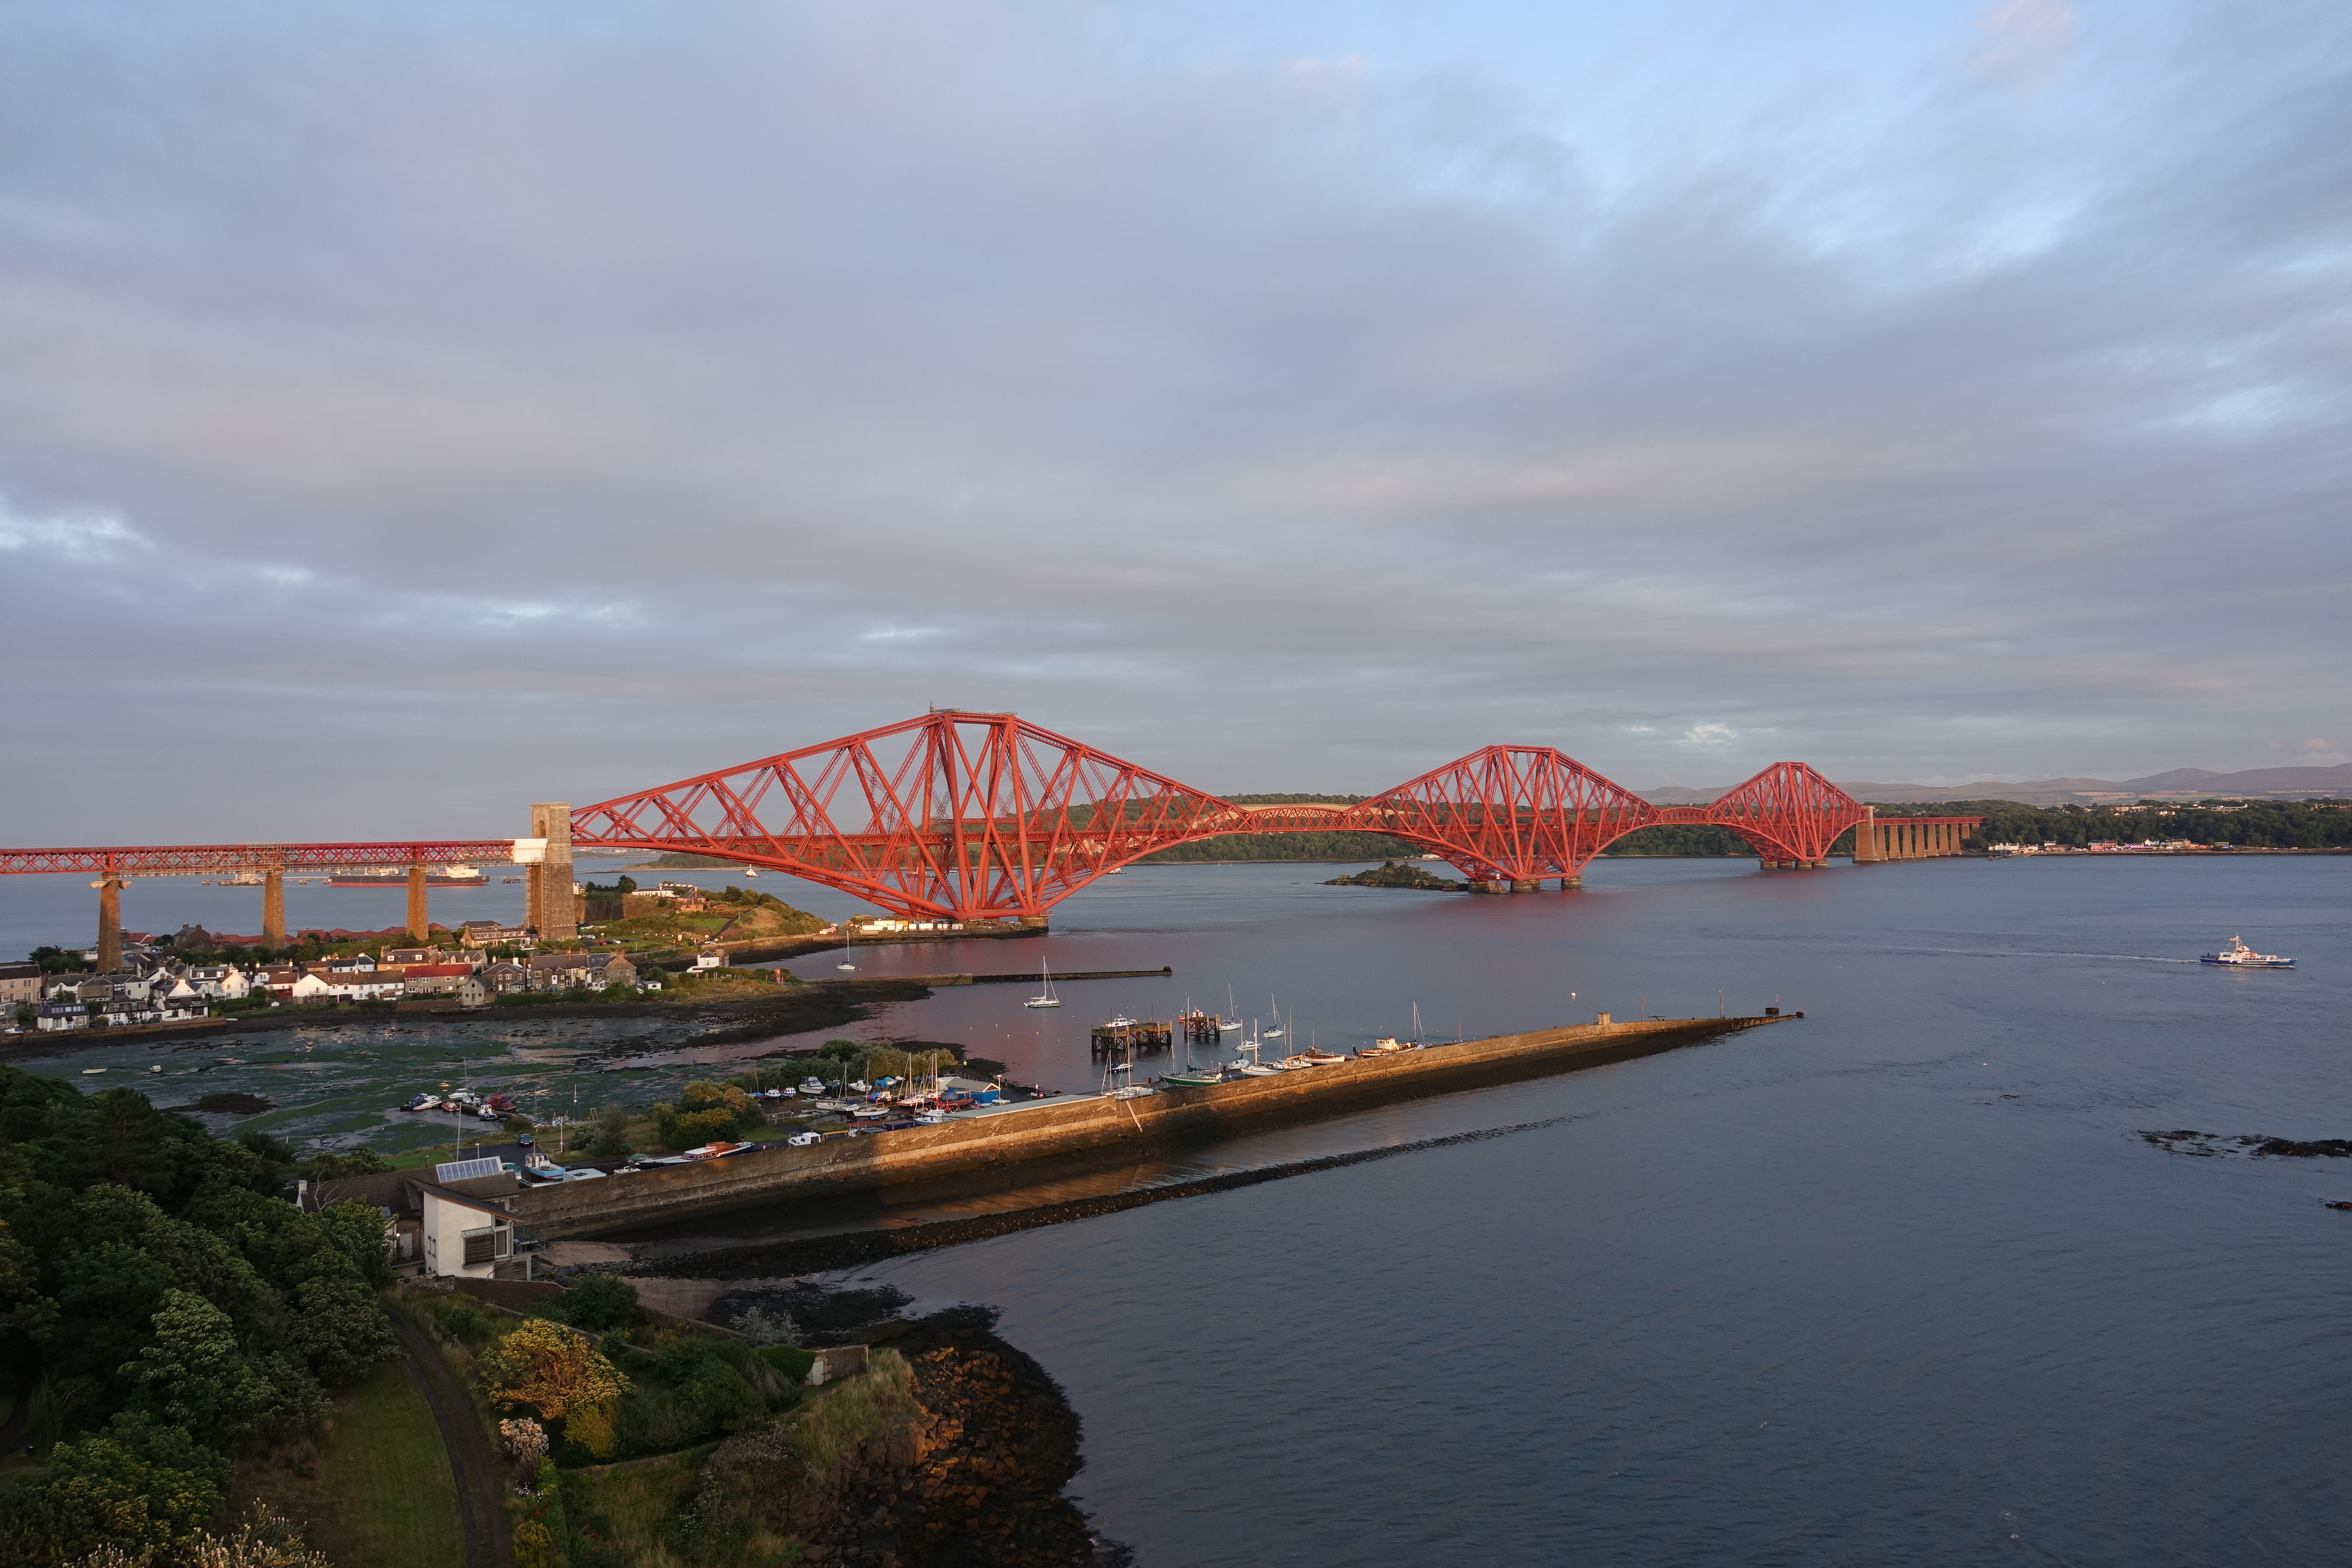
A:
(1895, 1283)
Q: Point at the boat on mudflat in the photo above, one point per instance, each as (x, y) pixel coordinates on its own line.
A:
(2238, 955)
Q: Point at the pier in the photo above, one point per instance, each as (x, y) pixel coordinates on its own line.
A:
(982, 1149)
(1135, 1035)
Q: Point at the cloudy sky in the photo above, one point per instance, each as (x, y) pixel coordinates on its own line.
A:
(409, 412)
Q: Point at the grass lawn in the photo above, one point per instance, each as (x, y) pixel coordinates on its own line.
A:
(377, 1492)
(621, 1507)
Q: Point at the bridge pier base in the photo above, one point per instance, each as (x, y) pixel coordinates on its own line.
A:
(1867, 850)
(1527, 886)
(109, 923)
(1490, 887)
(1570, 884)
(1038, 923)
(273, 908)
(554, 911)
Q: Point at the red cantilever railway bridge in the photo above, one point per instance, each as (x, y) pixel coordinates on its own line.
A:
(983, 816)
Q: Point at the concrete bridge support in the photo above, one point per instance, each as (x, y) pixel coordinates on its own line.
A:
(420, 925)
(273, 908)
(109, 923)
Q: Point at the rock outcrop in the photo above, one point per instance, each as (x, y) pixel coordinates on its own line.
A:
(952, 1453)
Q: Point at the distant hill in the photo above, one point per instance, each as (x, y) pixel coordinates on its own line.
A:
(2178, 783)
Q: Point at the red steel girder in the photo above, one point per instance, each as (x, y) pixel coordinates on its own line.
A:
(1788, 812)
(982, 816)
(1508, 813)
(967, 816)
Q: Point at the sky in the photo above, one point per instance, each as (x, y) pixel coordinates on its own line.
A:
(409, 412)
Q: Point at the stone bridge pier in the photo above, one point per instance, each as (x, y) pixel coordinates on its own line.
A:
(1909, 838)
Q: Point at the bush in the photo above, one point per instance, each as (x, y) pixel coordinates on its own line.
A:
(652, 1421)
(592, 1429)
(462, 1321)
(601, 1303)
(611, 1137)
(790, 1361)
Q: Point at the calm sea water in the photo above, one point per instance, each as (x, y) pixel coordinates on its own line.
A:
(1897, 1283)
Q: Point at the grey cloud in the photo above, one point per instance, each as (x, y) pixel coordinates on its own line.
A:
(640, 391)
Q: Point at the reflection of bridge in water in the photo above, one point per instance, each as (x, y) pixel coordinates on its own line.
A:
(976, 817)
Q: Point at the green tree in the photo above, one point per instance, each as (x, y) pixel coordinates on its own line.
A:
(141, 1485)
(193, 1375)
(340, 1331)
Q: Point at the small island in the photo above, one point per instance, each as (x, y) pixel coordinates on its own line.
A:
(1400, 873)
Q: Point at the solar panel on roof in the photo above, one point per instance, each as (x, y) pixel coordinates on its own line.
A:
(465, 1169)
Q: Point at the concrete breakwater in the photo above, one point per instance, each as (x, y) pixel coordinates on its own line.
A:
(978, 1145)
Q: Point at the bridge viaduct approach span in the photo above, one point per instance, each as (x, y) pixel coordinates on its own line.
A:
(985, 817)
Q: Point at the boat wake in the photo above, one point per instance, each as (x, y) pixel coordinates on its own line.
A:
(1999, 953)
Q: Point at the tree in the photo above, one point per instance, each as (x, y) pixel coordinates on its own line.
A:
(193, 1376)
(340, 1331)
(611, 1138)
(357, 1232)
(140, 1484)
(549, 1369)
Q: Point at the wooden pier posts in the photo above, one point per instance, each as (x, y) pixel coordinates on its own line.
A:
(1143, 1035)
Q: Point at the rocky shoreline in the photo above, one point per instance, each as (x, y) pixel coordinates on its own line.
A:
(951, 1452)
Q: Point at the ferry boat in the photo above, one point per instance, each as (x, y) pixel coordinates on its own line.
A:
(2238, 955)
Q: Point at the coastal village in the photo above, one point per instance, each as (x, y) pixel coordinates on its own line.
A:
(192, 974)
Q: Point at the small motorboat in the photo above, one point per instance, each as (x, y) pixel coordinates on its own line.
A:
(1315, 1057)
(716, 1150)
(1118, 1021)
(2238, 955)
(88, 1072)
(812, 1085)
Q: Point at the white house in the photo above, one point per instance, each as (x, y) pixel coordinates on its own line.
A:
(464, 1236)
(224, 981)
(349, 986)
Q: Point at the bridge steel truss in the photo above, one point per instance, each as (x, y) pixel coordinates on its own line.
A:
(977, 817)
(980, 816)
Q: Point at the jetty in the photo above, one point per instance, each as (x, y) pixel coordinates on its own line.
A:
(992, 1146)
